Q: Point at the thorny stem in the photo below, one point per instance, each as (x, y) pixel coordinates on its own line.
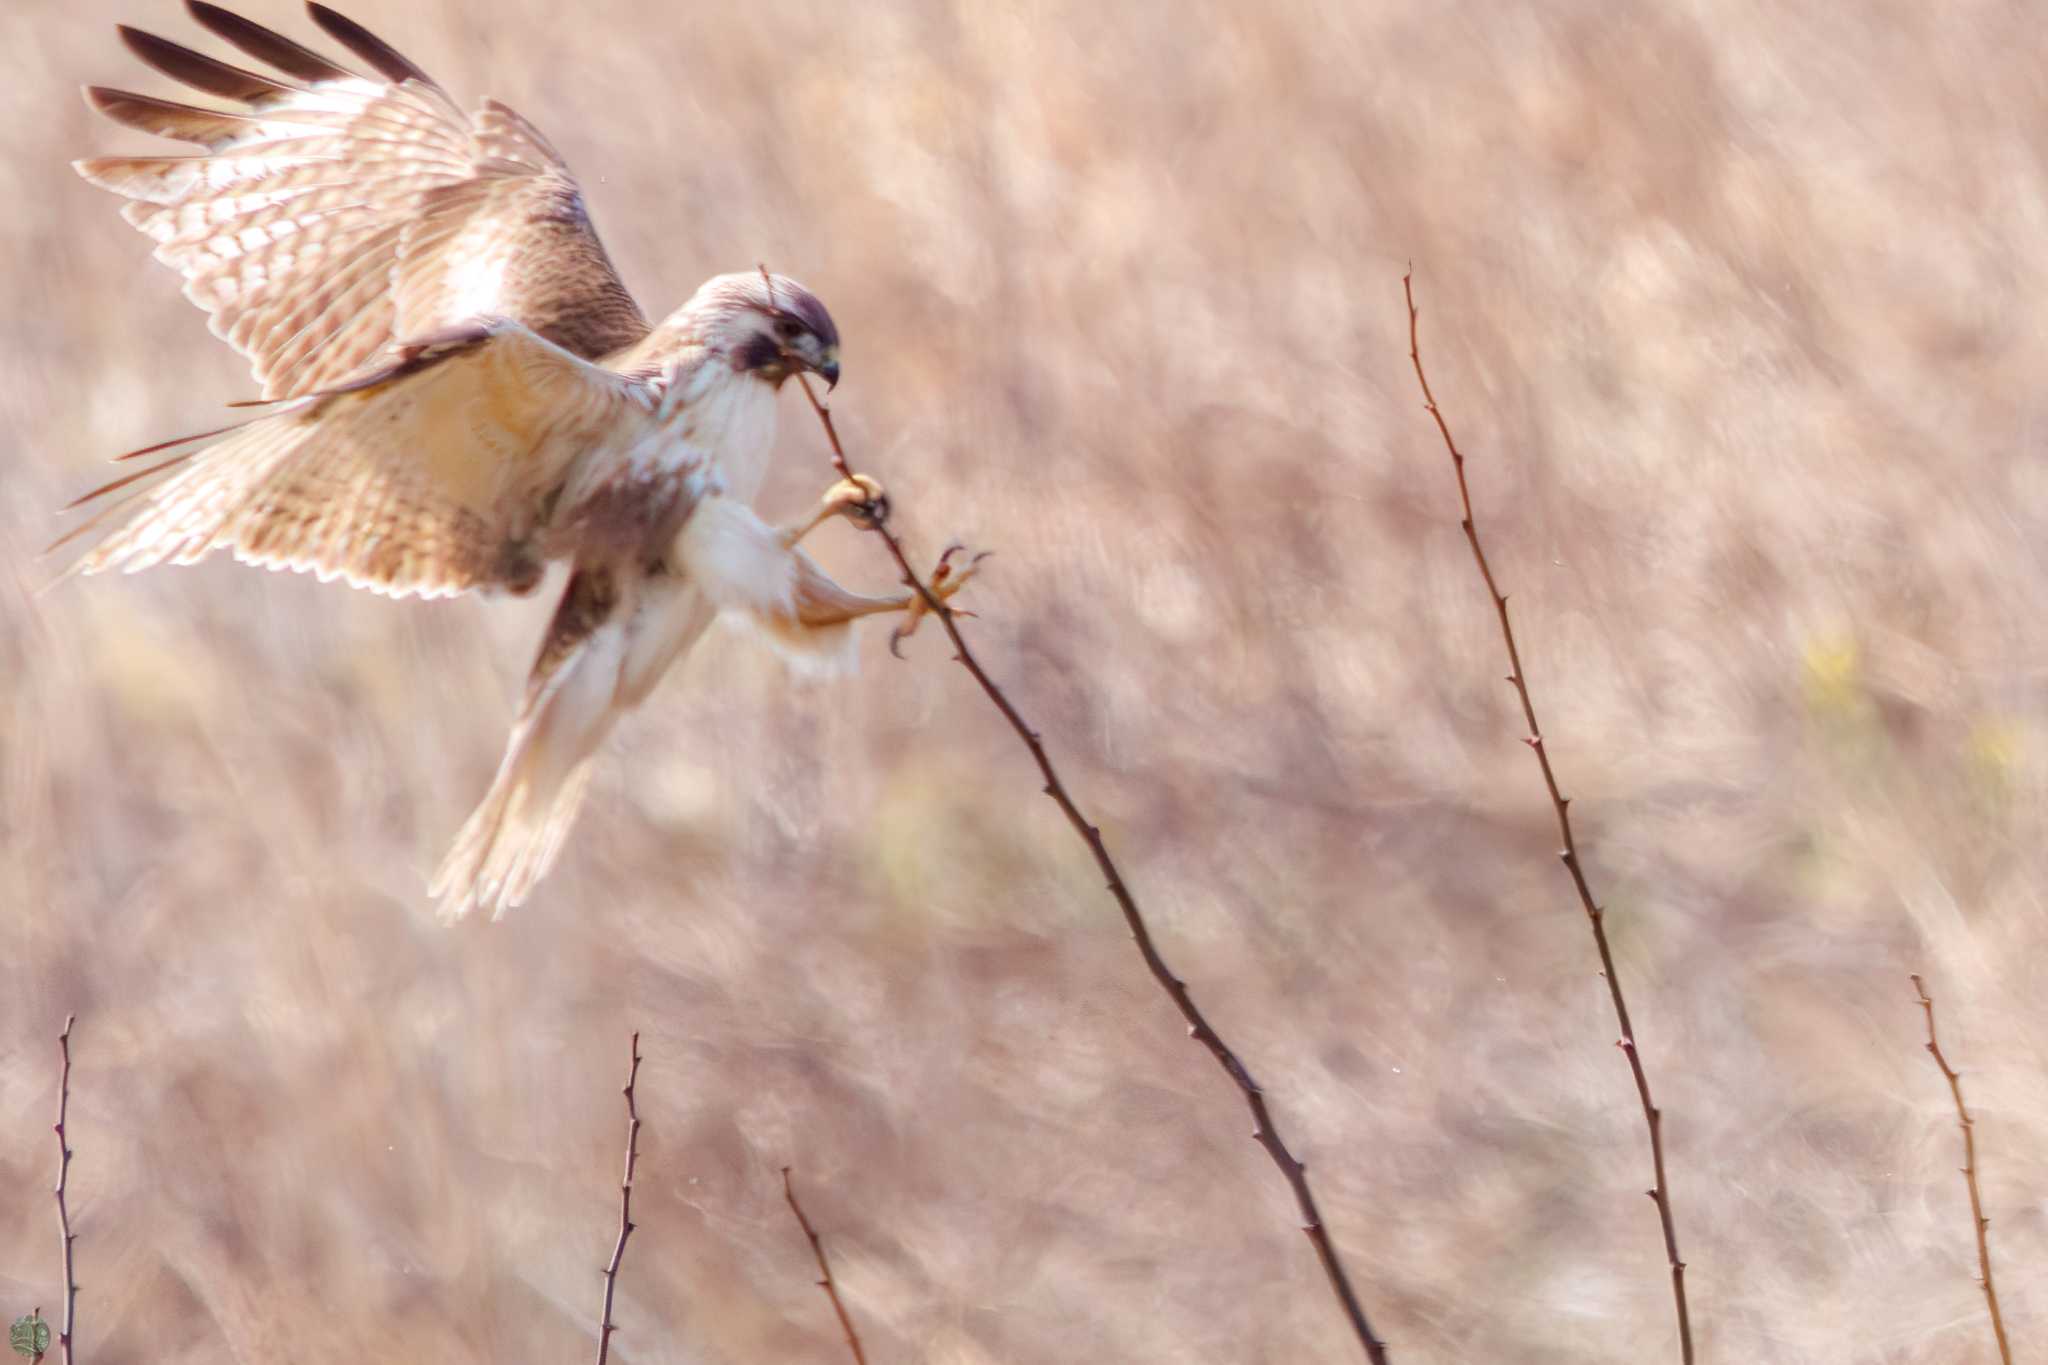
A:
(1199, 1028)
(1955, 1089)
(611, 1271)
(63, 1175)
(826, 1283)
(1652, 1116)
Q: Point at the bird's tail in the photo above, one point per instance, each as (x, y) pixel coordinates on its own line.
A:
(511, 840)
(514, 836)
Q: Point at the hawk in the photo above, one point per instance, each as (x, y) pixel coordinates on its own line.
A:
(458, 390)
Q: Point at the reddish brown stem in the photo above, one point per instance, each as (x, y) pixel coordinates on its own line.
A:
(63, 1177)
(1653, 1117)
(825, 1282)
(611, 1271)
(1983, 1224)
(1199, 1028)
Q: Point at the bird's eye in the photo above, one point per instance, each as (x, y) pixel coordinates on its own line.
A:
(788, 329)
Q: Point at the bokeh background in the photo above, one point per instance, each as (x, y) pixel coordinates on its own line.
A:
(1739, 310)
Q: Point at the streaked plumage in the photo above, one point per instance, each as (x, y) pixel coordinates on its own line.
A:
(458, 390)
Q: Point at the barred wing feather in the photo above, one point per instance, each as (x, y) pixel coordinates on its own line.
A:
(336, 214)
(429, 477)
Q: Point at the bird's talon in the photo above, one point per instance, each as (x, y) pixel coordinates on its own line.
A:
(870, 514)
(859, 498)
(944, 582)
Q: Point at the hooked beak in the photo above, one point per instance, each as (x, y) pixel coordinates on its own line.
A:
(828, 367)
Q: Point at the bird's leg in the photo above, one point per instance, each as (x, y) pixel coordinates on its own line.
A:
(821, 602)
(858, 498)
(741, 564)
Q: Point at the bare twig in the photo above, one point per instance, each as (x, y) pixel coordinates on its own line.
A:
(1652, 1116)
(63, 1176)
(611, 1272)
(1199, 1028)
(826, 1283)
(1955, 1089)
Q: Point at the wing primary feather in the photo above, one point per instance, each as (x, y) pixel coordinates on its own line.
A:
(167, 445)
(116, 485)
(167, 118)
(202, 72)
(386, 59)
(266, 46)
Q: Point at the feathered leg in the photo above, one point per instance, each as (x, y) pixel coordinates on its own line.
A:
(745, 566)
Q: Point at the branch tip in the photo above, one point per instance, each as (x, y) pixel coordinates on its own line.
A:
(825, 1283)
(606, 1328)
(1968, 1169)
(1518, 676)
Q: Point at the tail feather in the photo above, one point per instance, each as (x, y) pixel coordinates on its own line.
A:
(517, 831)
(510, 842)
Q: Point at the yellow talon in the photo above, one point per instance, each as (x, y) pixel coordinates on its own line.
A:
(944, 582)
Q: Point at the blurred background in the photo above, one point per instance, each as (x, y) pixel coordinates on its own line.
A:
(1739, 312)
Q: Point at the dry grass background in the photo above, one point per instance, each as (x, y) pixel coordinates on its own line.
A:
(1738, 308)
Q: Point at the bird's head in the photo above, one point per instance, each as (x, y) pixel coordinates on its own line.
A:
(768, 326)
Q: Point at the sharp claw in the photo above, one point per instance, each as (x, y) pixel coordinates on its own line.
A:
(860, 499)
(946, 579)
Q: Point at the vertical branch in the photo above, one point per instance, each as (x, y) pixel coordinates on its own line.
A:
(63, 1177)
(827, 1283)
(1983, 1224)
(1653, 1117)
(611, 1272)
(1199, 1028)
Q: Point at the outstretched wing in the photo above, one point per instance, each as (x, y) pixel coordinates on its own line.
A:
(431, 476)
(335, 214)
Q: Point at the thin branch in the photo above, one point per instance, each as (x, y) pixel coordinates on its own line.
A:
(1955, 1089)
(63, 1177)
(1653, 1117)
(827, 1283)
(1199, 1028)
(611, 1272)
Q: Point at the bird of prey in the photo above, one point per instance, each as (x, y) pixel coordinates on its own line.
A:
(458, 390)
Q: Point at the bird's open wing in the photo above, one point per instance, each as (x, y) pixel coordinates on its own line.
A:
(335, 214)
(428, 477)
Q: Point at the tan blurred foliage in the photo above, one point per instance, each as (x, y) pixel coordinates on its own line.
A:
(1738, 308)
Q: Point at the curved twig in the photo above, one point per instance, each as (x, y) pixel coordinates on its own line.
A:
(1969, 1126)
(1652, 1116)
(826, 1282)
(611, 1271)
(1199, 1028)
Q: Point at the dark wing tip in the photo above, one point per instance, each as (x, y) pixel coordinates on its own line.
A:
(387, 60)
(199, 71)
(265, 45)
(209, 128)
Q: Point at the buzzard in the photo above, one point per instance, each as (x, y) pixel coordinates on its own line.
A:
(458, 390)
